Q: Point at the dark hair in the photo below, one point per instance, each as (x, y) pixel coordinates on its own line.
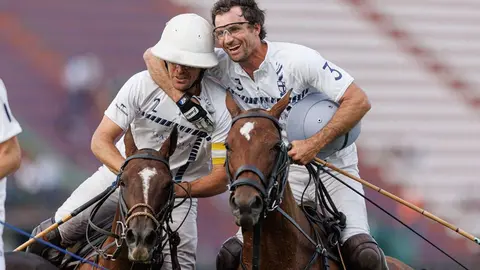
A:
(250, 12)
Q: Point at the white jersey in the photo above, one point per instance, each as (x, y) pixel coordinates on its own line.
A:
(9, 127)
(286, 66)
(152, 116)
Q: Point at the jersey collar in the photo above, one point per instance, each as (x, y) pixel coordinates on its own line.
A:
(263, 66)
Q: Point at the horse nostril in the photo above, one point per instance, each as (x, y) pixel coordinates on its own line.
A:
(233, 202)
(130, 237)
(150, 238)
(256, 202)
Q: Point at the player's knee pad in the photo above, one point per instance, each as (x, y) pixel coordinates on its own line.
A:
(229, 256)
(362, 252)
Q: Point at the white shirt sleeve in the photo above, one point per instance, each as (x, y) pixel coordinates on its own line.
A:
(9, 127)
(126, 105)
(219, 70)
(323, 75)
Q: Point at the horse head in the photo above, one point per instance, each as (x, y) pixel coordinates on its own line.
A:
(147, 196)
(257, 161)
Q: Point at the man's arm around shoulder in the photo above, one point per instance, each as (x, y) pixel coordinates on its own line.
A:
(10, 156)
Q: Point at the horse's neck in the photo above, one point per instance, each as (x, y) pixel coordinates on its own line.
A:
(278, 236)
(275, 226)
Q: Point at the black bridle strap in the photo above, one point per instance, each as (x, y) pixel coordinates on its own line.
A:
(294, 223)
(259, 114)
(256, 245)
(248, 182)
(144, 156)
(92, 215)
(319, 248)
(249, 168)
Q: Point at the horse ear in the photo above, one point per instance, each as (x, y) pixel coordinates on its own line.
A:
(170, 144)
(130, 147)
(280, 106)
(232, 105)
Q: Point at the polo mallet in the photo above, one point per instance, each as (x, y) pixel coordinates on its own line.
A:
(75, 212)
(402, 201)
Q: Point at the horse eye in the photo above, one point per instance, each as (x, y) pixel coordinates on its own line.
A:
(123, 181)
(275, 147)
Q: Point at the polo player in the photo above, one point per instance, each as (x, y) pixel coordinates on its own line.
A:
(258, 73)
(187, 46)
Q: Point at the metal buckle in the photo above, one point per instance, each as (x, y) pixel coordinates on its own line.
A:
(273, 206)
(109, 257)
(106, 256)
(119, 242)
(320, 249)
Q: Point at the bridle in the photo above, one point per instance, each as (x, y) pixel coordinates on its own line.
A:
(160, 219)
(271, 192)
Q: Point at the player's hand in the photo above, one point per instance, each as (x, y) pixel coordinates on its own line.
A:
(303, 151)
(182, 189)
(195, 113)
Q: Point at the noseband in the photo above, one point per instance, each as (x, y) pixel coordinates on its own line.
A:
(271, 189)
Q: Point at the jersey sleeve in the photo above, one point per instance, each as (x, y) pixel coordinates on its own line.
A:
(126, 104)
(219, 70)
(9, 127)
(323, 75)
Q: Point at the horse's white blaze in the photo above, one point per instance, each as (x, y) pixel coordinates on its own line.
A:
(146, 174)
(245, 130)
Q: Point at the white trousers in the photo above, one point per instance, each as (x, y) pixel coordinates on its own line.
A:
(345, 199)
(74, 230)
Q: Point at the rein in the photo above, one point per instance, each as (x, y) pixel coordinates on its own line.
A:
(272, 195)
(162, 226)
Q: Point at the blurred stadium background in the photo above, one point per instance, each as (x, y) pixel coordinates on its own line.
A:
(63, 62)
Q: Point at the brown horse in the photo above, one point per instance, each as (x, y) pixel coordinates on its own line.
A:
(146, 199)
(277, 232)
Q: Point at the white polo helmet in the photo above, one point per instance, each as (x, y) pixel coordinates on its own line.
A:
(310, 115)
(187, 40)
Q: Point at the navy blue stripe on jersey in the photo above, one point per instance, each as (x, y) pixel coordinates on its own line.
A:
(279, 69)
(164, 122)
(299, 97)
(7, 113)
(271, 100)
(191, 158)
(157, 120)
